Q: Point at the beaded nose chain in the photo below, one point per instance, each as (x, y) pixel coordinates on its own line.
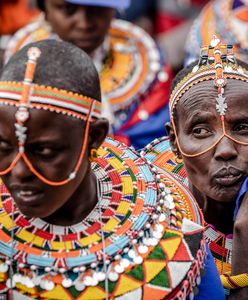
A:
(217, 62)
(35, 96)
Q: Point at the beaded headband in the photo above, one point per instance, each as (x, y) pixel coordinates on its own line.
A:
(218, 63)
(27, 95)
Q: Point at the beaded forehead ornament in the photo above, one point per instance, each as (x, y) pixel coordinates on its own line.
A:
(218, 63)
(28, 95)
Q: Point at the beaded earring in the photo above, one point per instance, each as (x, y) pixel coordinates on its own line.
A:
(178, 160)
(93, 155)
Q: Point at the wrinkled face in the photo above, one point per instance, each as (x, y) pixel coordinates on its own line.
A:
(83, 26)
(219, 172)
(52, 154)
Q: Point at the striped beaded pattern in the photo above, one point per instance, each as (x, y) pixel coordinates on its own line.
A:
(49, 98)
(204, 73)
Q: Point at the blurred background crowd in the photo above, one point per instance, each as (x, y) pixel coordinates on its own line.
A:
(168, 21)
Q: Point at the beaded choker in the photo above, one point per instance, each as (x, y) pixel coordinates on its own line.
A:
(27, 95)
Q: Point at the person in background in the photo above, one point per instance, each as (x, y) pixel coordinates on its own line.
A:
(207, 145)
(134, 76)
(14, 14)
(226, 18)
(83, 217)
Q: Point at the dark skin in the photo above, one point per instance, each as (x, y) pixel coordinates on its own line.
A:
(54, 155)
(240, 253)
(217, 175)
(82, 25)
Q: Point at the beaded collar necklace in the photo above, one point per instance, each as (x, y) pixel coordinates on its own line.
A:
(142, 215)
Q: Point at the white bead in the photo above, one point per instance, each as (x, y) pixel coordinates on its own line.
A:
(163, 76)
(10, 283)
(79, 286)
(75, 270)
(125, 263)
(4, 268)
(100, 276)
(113, 276)
(143, 249)
(138, 260)
(195, 69)
(131, 253)
(62, 270)
(48, 285)
(119, 269)
(72, 176)
(67, 283)
(48, 269)
(143, 115)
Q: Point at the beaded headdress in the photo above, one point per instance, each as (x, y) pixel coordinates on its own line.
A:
(217, 62)
(27, 95)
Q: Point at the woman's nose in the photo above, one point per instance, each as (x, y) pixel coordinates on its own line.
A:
(226, 149)
(82, 18)
(21, 171)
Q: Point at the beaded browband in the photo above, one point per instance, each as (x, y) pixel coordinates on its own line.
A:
(217, 62)
(28, 95)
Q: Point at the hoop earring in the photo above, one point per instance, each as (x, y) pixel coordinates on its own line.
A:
(178, 160)
(93, 155)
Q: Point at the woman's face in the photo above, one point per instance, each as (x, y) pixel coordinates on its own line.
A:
(219, 172)
(83, 26)
(53, 145)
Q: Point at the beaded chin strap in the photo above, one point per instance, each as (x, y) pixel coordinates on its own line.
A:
(217, 62)
(28, 95)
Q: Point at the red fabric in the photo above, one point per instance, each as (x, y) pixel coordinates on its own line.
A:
(15, 14)
(165, 22)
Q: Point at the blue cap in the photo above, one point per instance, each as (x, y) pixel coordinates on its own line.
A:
(106, 3)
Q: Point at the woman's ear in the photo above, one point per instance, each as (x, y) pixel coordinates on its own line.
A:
(97, 133)
(172, 137)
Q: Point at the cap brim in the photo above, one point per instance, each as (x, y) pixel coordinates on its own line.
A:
(119, 4)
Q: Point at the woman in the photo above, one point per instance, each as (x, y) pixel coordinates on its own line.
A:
(111, 228)
(209, 138)
(134, 76)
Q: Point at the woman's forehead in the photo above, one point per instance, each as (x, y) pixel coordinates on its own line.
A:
(40, 120)
(204, 94)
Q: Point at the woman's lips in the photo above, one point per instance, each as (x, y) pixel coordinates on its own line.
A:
(228, 176)
(27, 195)
(228, 180)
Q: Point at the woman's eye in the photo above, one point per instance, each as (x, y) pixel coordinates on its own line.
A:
(242, 128)
(67, 9)
(201, 132)
(45, 152)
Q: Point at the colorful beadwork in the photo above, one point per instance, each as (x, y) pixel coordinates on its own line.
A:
(146, 219)
(234, 282)
(51, 99)
(226, 18)
(159, 153)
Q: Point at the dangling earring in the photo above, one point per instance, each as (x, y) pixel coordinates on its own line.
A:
(93, 155)
(178, 160)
